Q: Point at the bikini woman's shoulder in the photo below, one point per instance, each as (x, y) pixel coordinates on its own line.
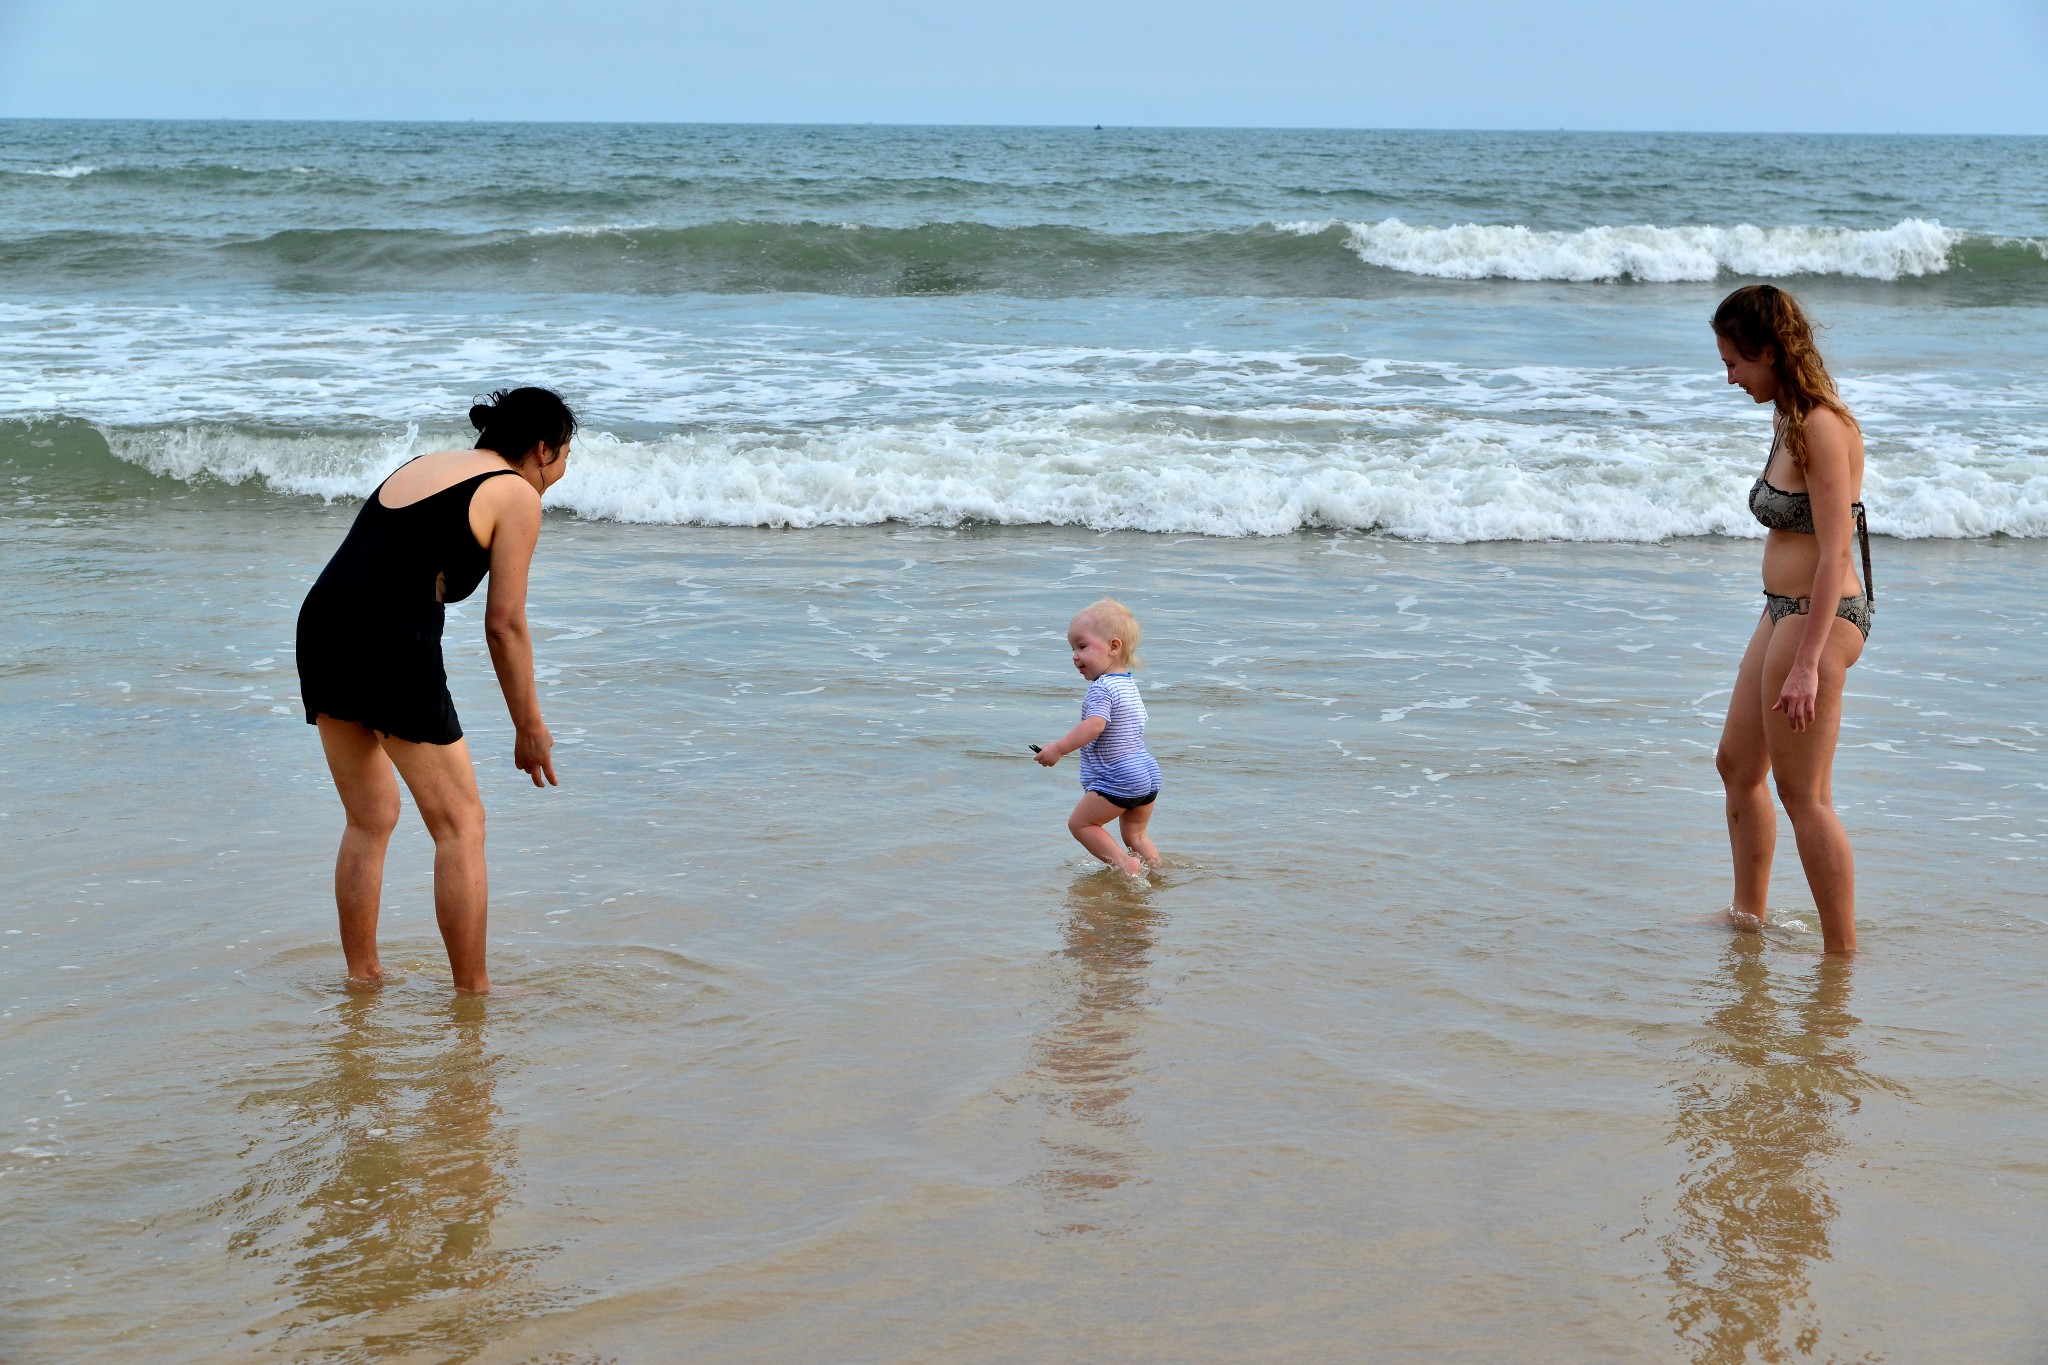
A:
(1825, 424)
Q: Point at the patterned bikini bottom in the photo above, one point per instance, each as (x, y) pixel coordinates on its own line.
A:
(1855, 610)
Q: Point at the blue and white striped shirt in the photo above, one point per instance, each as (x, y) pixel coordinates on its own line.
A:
(1115, 762)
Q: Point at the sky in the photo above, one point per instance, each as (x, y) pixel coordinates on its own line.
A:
(1873, 66)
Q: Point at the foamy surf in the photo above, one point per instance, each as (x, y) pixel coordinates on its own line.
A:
(55, 172)
(1444, 478)
(1650, 254)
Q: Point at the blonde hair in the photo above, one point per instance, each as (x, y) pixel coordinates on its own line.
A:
(1114, 619)
(1760, 317)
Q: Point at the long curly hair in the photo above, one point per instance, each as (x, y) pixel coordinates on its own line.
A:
(1762, 317)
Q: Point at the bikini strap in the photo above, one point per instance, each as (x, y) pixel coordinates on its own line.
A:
(1863, 534)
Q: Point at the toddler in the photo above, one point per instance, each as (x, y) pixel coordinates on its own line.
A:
(1119, 780)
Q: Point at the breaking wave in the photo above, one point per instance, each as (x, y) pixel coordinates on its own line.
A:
(1654, 255)
(1326, 258)
(1455, 478)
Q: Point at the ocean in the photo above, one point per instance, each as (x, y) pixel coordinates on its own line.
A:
(819, 1037)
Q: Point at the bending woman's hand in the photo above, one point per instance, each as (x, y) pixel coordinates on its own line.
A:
(1799, 696)
(533, 753)
(512, 509)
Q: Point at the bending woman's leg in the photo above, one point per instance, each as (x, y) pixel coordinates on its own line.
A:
(443, 786)
(369, 801)
(1804, 765)
(1744, 761)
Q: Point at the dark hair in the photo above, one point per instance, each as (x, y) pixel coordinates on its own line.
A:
(512, 421)
(1761, 317)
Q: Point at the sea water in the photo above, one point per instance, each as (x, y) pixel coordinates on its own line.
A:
(819, 1037)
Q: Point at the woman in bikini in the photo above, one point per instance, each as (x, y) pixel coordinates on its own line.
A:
(369, 647)
(1786, 713)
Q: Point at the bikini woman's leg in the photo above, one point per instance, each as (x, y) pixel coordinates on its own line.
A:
(443, 786)
(1086, 823)
(1744, 761)
(369, 802)
(1804, 766)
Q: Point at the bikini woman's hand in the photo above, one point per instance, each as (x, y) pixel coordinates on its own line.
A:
(1799, 696)
(533, 754)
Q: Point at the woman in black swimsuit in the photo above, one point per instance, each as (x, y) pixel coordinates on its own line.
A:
(370, 662)
(1786, 713)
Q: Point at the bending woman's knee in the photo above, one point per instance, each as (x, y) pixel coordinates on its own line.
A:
(461, 822)
(376, 818)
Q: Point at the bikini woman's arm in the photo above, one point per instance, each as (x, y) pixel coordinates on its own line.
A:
(516, 529)
(1834, 526)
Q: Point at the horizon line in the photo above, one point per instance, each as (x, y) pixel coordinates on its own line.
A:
(1031, 127)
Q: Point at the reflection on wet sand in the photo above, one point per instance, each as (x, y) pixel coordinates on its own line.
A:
(1084, 1061)
(379, 1212)
(1758, 1125)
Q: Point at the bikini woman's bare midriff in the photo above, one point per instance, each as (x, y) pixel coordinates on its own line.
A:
(1792, 559)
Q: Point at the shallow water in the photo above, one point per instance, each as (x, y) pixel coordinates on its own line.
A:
(819, 1039)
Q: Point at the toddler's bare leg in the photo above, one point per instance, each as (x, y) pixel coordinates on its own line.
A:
(1091, 813)
(1134, 823)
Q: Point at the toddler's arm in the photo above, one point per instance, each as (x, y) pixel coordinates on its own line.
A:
(1080, 735)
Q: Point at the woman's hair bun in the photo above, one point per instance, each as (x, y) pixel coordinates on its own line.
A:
(513, 421)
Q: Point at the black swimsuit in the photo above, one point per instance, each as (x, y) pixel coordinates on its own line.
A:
(1783, 511)
(370, 630)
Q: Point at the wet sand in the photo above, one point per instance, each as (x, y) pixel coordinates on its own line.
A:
(827, 1043)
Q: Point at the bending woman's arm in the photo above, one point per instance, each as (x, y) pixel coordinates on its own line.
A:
(515, 530)
(1828, 485)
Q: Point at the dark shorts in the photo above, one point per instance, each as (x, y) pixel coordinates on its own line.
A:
(379, 672)
(1128, 802)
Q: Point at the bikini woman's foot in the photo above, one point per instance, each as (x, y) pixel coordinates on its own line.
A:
(1741, 920)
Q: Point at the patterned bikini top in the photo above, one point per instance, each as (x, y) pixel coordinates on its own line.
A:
(1783, 511)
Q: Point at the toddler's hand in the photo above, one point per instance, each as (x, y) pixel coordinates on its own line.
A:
(1047, 757)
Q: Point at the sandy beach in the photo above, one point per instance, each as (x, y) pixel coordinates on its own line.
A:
(818, 1037)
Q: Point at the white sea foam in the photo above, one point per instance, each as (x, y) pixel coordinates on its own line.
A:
(322, 466)
(734, 423)
(1474, 251)
(59, 172)
(1442, 477)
